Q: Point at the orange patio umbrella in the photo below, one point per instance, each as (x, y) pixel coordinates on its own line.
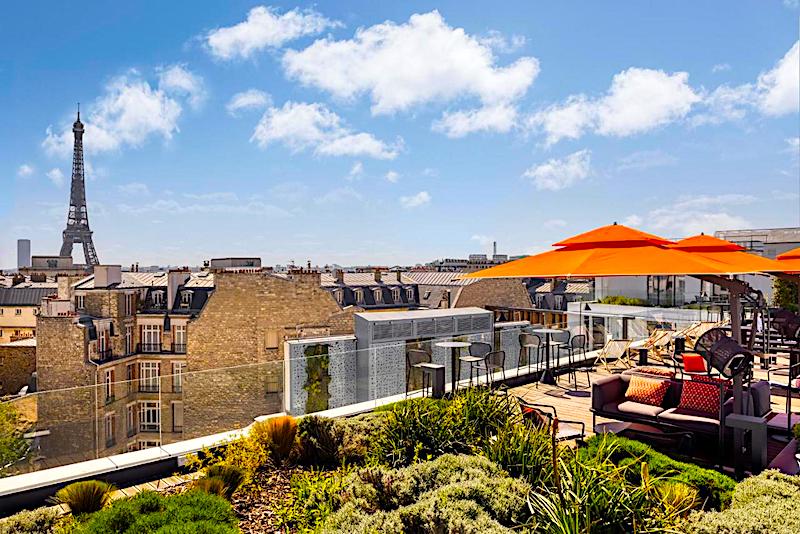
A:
(790, 261)
(613, 250)
(727, 253)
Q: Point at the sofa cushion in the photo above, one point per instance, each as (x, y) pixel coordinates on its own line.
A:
(693, 363)
(760, 396)
(700, 397)
(639, 408)
(653, 371)
(646, 390)
(679, 415)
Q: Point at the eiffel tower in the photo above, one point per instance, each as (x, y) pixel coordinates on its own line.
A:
(77, 230)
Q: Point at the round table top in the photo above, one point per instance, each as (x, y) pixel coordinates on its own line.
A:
(547, 330)
(453, 344)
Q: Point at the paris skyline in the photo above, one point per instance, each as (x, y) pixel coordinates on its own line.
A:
(284, 131)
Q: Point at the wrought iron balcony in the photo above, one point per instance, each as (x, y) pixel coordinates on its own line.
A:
(148, 347)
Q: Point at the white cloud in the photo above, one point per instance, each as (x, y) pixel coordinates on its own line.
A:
(690, 215)
(556, 174)
(56, 176)
(303, 126)
(25, 170)
(177, 79)
(339, 195)
(215, 196)
(134, 188)
(264, 28)
(356, 171)
(645, 159)
(638, 100)
(502, 44)
(290, 191)
(392, 177)
(430, 172)
(247, 100)
(414, 201)
(404, 65)
(130, 112)
(791, 4)
(779, 89)
(555, 223)
(484, 240)
(725, 103)
(496, 118)
(161, 206)
(793, 145)
(632, 220)
(721, 67)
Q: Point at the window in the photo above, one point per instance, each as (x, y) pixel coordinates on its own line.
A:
(150, 416)
(427, 294)
(130, 303)
(158, 298)
(108, 424)
(148, 376)
(18, 311)
(130, 419)
(339, 294)
(80, 302)
(128, 339)
(359, 294)
(396, 295)
(410, 294)
(378, 293)
(150, 338)
(186, 299)
(1, 311)
(130, 376)
(177, 416)
(109, 383)
(179, 338)
(178, 369)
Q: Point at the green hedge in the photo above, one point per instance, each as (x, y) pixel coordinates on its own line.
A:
(714, 487)
(194, 512)
(768, 503)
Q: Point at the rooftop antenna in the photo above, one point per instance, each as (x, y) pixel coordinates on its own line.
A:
(79, 111)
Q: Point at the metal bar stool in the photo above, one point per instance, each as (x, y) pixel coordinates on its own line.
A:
(477, 353)
(420, 360)
(531, 343)
(495, 360)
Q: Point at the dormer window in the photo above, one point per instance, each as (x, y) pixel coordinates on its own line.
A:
(339, 295)
(410, 294)
(80, 302)
(378, 293)
(186, 299)
(158, 298)
(359, 294)
(396, 295)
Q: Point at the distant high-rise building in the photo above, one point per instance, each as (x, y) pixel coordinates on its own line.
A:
(23, 253)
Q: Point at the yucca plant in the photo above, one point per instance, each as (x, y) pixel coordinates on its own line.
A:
(230, 475)
(320, 440)
(85, 497)
(522, 451)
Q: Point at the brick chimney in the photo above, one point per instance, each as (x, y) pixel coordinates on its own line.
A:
(378, 275)
(338, 276)
(175, 279)
(107, 275)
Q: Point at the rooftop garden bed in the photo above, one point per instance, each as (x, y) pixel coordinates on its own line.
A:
(470, 464)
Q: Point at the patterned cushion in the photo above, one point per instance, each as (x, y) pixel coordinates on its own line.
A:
(655, 371)
(712, 380)
(647, 390)
(694, 363)
(699, 396)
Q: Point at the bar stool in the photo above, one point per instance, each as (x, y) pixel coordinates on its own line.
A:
(531, 343)
(495, 360)
(420, 360)
(477, 354)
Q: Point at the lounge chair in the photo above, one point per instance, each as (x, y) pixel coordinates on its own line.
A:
(658, 343)
(617, 350)
(541, 417)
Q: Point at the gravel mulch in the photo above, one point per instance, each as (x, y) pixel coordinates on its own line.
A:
(256, 507)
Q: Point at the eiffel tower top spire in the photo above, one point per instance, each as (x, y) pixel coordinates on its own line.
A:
(77, 230)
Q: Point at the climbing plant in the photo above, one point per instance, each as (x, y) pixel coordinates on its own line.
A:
(317, 378)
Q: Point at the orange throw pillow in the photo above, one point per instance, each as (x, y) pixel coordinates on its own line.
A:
(700, 396)
(647, 390)
(694, 363)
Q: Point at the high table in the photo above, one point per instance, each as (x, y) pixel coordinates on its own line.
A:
(547, 375)
(453, 345)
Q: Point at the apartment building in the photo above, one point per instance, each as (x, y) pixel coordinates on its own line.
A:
(19, 306)
(450, 290)
(129, 360)
(377, 290)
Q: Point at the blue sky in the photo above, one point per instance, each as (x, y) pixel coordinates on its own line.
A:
(385, 133)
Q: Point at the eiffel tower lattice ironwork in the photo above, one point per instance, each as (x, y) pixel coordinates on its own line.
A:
(77, 230)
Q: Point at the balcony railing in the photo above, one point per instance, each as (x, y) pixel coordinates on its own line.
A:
(149, 427)
(145, 387)
(179, 348)
(105, 354)
(148, 347)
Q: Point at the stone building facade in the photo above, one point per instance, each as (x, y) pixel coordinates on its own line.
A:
(17, 365)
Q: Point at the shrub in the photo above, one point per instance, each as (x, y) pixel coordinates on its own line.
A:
(623, 301)
(212, 486)
(763, 503)
(85, 497)
(714, 488)
(320, 440)
(13, 447)
(315, 495)
(419, 429)
(278, 435)
(449, 494)
(39, 521)
(232, 478)
(190, 512)
(522, 451)
(358, 432)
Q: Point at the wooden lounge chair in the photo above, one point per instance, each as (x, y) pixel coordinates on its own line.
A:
(617, 350)
(658, 343)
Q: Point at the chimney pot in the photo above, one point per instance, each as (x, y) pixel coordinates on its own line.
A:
(378, 275)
